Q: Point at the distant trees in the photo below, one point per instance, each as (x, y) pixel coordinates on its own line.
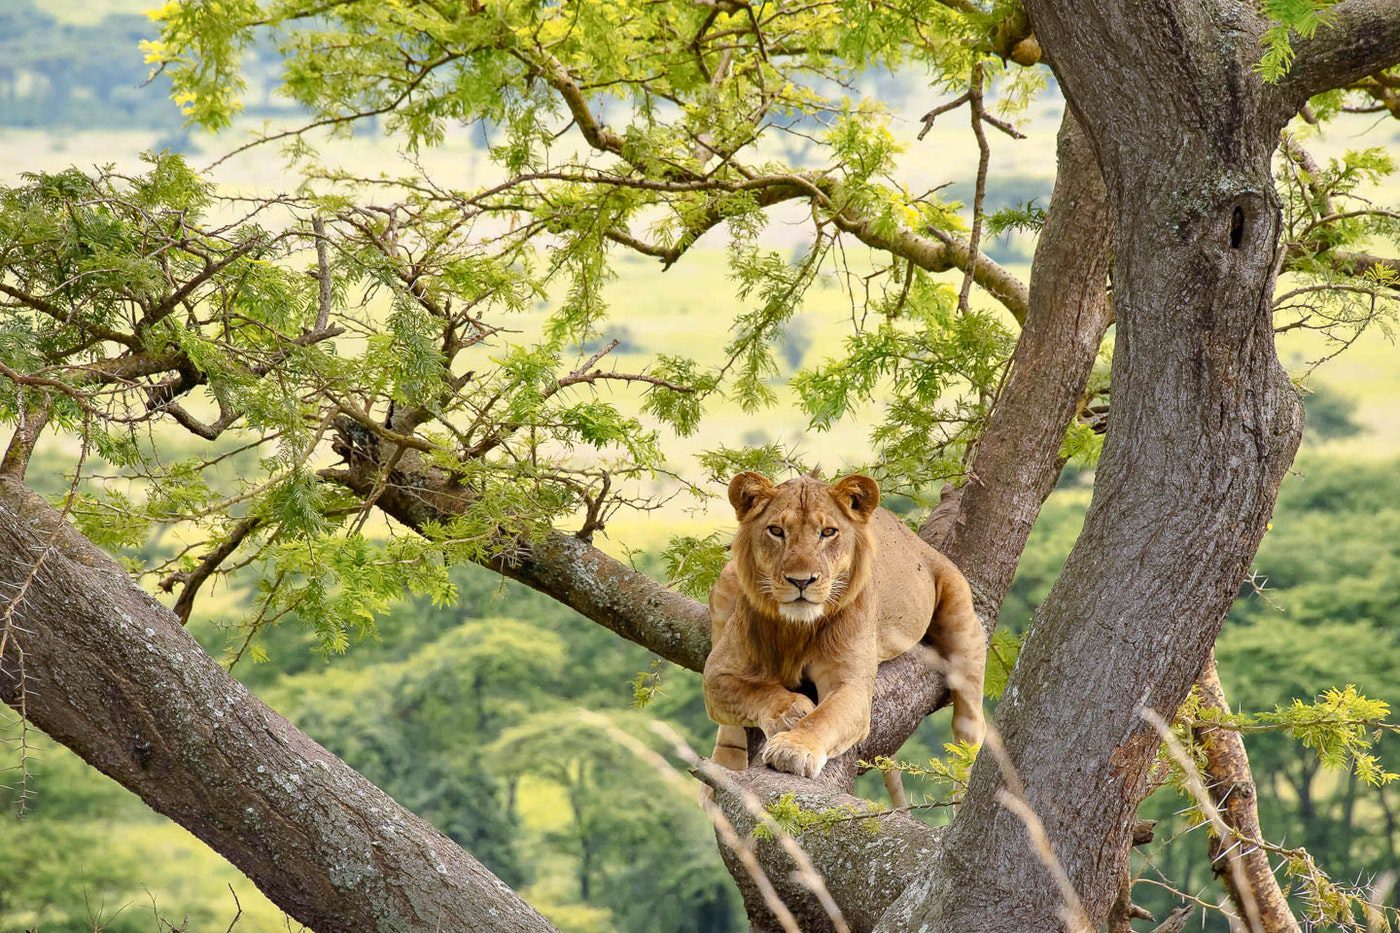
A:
(62, 76)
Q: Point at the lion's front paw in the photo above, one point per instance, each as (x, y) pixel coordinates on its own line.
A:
(788, 717)
(794, 753)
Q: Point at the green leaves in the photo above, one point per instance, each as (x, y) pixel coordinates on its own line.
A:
(694, 564)
(681, 410)
(1332, 221)
(1290, 17)
(724, 463)
(411, 349)
(939, 367)
(1002, 653)
(339, 584)
(1340, 725)
(951, 772)
(790, 817)
(779, 287)
(200, 48)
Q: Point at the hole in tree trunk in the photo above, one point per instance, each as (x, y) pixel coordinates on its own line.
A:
(1236, 228)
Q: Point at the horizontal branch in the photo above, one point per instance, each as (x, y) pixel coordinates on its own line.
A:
(1344, 261)
(937, 252)
(559, 565)
(48, 308)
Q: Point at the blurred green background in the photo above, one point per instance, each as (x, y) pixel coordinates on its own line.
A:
(468, 714)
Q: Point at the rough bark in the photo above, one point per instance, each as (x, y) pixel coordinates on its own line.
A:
(111, 674)
(863, 868)
(1204, 426)
(1018, 455)
(1230, 783)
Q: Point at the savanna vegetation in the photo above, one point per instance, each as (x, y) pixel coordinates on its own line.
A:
(408, 443)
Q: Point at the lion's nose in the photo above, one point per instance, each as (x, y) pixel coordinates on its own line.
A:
(802, 584)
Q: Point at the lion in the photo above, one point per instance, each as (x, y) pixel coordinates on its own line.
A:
(823, 585)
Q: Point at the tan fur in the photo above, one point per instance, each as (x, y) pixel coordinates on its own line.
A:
(795, 605)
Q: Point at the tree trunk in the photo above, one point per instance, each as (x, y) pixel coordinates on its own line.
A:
(1204, 425)
(111, 674)
(1018, 460)
(864, 870)
(1242, 867)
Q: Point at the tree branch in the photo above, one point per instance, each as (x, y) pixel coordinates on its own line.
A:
(561, 566)
(984, 528)
(937, 252)
(1347, 262)
(1235, 860)
(206, 568)
(109, 672)
(1204, 427)
(1361, 37)
(864, 871)
(1058, 348)
(46, 307)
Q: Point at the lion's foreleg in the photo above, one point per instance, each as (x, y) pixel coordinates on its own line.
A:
(731, 748)
(731, 751)
(841, 719)
(752, 700)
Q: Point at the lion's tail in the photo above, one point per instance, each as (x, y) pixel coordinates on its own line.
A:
(731, 748)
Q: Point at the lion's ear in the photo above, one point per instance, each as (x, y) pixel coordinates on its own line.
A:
(746, 489)
(860, 494)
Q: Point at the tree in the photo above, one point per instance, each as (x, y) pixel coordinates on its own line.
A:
(130, 305)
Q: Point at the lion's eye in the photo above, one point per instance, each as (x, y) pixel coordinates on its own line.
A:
(775, 530)
(828, 532)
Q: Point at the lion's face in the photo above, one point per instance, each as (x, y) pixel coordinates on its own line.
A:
(803, 548)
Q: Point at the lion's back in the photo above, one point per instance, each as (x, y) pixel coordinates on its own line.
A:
(905, 583)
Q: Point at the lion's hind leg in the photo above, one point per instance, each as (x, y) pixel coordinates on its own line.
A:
(957, 635)
(894, 786)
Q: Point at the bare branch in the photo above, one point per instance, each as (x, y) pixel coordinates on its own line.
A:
(1241, 866)
(194, 579)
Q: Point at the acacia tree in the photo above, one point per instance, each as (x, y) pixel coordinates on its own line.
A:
(150, 300)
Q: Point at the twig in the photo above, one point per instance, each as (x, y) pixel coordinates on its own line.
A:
(979, 195)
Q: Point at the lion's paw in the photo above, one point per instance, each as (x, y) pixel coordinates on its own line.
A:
(789, 717)
(795, 754)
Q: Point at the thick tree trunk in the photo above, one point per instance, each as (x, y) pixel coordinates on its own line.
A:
(110, 673)
(1204, 425)
(1242, 867)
